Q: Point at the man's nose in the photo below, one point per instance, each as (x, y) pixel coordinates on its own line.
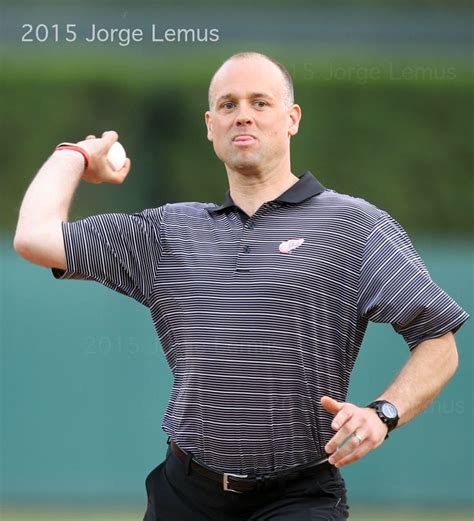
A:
(243, 116)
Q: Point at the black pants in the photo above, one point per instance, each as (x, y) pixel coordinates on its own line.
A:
(176, 495)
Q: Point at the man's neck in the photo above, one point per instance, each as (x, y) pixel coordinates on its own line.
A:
(250, 191)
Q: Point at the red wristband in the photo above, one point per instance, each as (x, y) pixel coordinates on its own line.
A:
(72, 146)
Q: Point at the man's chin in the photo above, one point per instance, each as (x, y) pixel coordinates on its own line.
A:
(244, 163)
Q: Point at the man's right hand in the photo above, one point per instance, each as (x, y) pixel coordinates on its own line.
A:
(99, 170)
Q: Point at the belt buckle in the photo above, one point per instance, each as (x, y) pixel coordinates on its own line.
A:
(225, 481)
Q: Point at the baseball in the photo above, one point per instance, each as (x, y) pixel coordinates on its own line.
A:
(116, 156)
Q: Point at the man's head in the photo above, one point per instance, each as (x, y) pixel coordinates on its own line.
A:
(251, 114)
(289, 94)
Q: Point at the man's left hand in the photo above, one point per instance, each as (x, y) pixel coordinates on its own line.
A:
(361, 425)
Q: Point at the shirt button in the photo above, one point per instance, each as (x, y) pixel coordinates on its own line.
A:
(246, 249)
(250, 225)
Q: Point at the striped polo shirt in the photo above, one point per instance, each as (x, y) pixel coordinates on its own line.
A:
(260, 316)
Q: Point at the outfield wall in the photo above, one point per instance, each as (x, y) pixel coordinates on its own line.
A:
(84, 387)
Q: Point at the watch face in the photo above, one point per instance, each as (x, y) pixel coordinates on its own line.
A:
(389, 410)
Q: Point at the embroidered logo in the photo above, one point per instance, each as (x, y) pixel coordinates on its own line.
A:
(288, 246)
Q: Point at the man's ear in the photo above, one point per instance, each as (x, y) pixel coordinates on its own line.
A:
(294, 115)
(207, 117)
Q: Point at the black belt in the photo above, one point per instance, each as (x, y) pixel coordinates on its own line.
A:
(243, 482)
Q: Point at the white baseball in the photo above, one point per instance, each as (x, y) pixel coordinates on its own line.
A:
(116, 156)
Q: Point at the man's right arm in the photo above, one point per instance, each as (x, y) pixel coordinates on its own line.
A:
(39, 237)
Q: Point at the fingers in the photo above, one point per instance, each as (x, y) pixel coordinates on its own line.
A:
(119, 176)
(344, 447)
(110, 136)
(352, 451)
(344, 430)
(100, 170)
(344, 442)
(344, 415)
(359, 430)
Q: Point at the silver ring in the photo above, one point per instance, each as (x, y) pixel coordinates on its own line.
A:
(359, 439)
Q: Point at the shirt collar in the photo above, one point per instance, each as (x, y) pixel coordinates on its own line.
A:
(307, 186)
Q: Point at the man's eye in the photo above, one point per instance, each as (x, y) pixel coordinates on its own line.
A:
(228, 105)
(260, 104)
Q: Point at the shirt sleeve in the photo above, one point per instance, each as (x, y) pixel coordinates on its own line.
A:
(396, 288)
(120, 251)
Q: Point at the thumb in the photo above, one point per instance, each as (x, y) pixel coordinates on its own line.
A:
(331, 405)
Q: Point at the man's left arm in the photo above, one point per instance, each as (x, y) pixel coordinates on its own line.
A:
(430, 367)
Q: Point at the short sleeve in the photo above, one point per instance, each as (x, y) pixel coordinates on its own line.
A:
(396, 288)
(120, 251)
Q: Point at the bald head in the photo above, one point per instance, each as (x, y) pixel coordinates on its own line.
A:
(287, 82)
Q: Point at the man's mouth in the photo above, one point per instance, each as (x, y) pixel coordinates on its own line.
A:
(244, 139)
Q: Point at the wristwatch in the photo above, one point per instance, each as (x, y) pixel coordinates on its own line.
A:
(387, 412)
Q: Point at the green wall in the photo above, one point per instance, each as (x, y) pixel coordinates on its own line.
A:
(403, 144)
(84, 387)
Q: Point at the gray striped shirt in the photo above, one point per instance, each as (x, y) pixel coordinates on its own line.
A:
(260, 316)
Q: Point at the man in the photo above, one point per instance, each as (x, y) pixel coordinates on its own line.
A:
(260, 304)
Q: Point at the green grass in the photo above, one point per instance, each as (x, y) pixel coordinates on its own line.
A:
(357, 514)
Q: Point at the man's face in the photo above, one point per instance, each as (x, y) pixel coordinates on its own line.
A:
(249, 121)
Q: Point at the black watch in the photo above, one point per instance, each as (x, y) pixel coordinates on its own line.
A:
(387, 412)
